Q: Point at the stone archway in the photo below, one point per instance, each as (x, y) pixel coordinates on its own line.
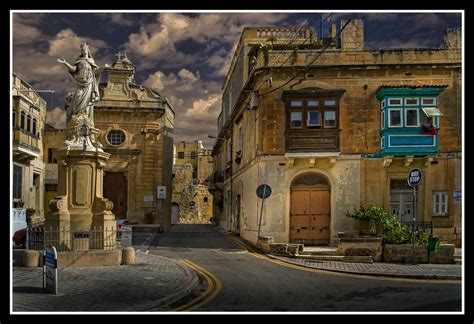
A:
(310, 209)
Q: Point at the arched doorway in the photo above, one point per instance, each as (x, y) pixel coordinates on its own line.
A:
(115, 189)
(174, 213)
(310, 209)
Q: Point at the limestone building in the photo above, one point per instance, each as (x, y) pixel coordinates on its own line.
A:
(136, 126)
(330, 125)
(193, 166)
(28, 118)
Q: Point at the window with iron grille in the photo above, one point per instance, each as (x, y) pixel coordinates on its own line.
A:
(440, 203)
(116, 137)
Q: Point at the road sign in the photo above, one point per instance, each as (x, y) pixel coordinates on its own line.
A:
(50, 269)
(414, 177)
(264, 191)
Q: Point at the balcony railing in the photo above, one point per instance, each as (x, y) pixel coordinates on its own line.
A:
(23, 138)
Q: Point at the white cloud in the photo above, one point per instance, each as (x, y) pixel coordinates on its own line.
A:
(67, 43)
(56, 118)
(197, 102)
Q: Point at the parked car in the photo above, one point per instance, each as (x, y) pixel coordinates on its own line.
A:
(36, 233)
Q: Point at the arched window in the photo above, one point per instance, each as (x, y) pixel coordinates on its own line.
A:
(310, 179)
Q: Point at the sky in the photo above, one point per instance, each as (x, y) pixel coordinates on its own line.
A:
(184, 56)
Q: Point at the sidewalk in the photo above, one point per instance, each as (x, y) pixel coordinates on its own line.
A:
(415, 271)
(148, 285)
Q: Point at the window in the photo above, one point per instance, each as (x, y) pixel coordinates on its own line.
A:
(193, 155)
(22, 120)
(296, 103)
(382, 140)
(180, 155)
(330, 103)
(314, 118)
(240, 140)
(14, 118)
(330, 118)
(411, 118)
(395, 102)
(116, 137)
(382, 119)
(428, 101)
(296, 120)
(34, 127)
(394, 118)
(205, 199)
(51, 159)
(382, 104)
(440, 203)
(17, 181)
(28, 123)
(411, 101)
(313, 103)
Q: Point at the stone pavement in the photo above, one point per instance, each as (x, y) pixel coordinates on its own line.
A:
(416, 271)
(148, 285)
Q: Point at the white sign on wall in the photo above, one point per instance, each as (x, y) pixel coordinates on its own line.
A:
(148, 198)
(161, 192)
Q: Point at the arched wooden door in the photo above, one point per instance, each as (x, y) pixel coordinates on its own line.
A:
(310, 209)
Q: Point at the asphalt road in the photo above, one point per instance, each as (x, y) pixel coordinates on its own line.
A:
(252, 284)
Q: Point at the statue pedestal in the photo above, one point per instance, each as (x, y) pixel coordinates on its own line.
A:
(80, 212)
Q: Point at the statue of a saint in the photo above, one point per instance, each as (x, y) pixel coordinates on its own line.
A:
(86, 75)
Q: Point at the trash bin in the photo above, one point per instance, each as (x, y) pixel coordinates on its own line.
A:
(433, 246)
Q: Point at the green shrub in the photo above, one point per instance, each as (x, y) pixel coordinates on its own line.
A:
(393, 232)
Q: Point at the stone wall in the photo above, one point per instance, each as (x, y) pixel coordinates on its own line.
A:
(403, 253)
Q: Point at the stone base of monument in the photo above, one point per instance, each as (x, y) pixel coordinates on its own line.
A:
(89, 258)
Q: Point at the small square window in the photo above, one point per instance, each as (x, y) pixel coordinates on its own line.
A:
(428, 101)
(395, 102)
(395, 118)
(329, 103)
(330, 118)
(181, 155)
(411, 101)
(313, 103)
(296, 103)
(314, 118)
(411, 118)
(296, 120)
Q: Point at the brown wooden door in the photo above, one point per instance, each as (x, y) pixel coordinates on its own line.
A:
(310, 215)
(115, 189)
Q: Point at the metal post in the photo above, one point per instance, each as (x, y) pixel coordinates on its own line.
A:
(260, 221)
(414, 222)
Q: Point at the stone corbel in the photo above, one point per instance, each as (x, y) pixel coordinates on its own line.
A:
(428, 161)
(387, 160)
(291, 162)
(312, 161)
(408, 160)
(332, 161)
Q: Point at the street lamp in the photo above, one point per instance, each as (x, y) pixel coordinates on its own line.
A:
(229, 142)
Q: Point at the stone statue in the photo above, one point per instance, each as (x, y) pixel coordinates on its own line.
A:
(80, 103)
(86, 75)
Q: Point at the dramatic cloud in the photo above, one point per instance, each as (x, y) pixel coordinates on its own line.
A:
(158, 41)
(196, 102)
(56, 117)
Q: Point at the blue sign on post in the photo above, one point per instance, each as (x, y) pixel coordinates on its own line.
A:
(264, 191)
(50, 269)
(414, 177)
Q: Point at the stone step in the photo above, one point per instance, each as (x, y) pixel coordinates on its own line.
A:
(322, 257)
(316, 250)
(457, 261)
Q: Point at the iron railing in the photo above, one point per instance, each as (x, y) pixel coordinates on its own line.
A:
(79, 240)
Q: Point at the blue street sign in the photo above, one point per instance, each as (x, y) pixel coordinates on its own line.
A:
(414, 177)
(264, 191)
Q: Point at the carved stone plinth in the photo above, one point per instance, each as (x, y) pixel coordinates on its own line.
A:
(80, 210)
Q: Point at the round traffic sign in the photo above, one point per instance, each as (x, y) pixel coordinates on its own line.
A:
(264, 191)
(414, 177)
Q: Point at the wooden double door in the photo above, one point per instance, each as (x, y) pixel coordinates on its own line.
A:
(115, 189)
(310, 215)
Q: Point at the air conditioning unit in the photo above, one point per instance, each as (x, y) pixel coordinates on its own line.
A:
(254, 101)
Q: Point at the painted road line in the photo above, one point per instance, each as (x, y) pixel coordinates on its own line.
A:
(214, 286)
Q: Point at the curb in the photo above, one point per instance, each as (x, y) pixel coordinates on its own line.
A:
(189, 283)
(397, 275)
